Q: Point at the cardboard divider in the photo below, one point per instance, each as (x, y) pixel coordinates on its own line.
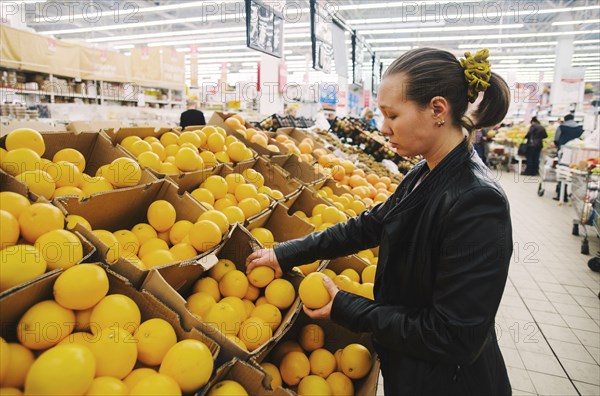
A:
(341, 263)
(248, 376)
(13, 307)
(335, 187)
(306, 201)
(283, 225)
(336, 337)
(94, 146)
(128, 208)
(301, 170)
(173, 288)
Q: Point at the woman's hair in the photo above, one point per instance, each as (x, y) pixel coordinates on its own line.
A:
(534, 119)
(431, 72)
(368, 113)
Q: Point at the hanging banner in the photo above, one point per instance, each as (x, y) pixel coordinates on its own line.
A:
(145, 65)
(10, 46)
(105, 65)
(35, 53)
(172, 66)
(193, 65)
(321, 36)
(64, 58)
(357, 59)
(340, 51)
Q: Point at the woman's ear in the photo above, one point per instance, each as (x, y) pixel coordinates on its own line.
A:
(440, 107)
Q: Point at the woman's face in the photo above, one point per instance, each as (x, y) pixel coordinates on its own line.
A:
(409, 127)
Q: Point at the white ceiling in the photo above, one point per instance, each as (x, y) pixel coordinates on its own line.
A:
(522, 36)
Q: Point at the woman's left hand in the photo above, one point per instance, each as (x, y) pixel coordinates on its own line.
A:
(324, 312)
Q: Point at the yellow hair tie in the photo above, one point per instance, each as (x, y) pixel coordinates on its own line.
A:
(477, 72)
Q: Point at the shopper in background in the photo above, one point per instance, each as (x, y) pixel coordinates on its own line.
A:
(566, 131)
(444, 236)
(368, 119)
(535, 141)
(481, 145)
(291, 111)
(330, 117)
(192, 116)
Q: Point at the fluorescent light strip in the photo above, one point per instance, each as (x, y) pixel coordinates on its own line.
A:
(486, 37)
(197, 41)
(196, 32)
(581, 21)
(441, 29)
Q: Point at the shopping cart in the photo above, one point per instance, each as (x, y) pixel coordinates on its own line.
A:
(548, 173)
(585, 186)
(499, 157)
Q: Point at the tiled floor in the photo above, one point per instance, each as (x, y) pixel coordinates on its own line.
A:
(549, 320)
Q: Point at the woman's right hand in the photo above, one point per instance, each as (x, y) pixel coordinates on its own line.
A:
(265, 257)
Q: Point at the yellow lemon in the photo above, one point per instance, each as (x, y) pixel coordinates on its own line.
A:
(221, 204)
(168, 138)
(227, 388)
(64, 173)
(355, 361)
(149, 159)
(39, 182)
(215, 142)
(63, 370)
(234, 284)
(21, 360)
(209, 286)
(217, 185)
(224, 318)
(128, 141)
(81, 286)
(312, 291)
(233, 181)
(269, 313)
(222, 267)
(13, 203)
(250, 207)
(188, 160)
(294, 367)
(21, 160)
(263, 235)
(237, 304)
(44, 325)
(183, 251)
(128, 242)
(313, 385)
(352, 274)
(248, 304)
(156, 384)
(216, 217)
(190, 137)
(137, 375)
(154, 338)
(263, 200)
(161, 215)
(113, 250)
(60, 248)
(115, 351)
(273, 371)
(236, 151)
(244, 191)
(282, 349)
(189, 363)
(200, 303)
(179, 231)
(343, 282)
(255, 332)
(237, 341)
(261, 276)
(115, 310)
(143, 232)
(167, 168)
(67, 190)
(205, 235)
(70, 155)
(82, 319)
(39, 219)
(312, 337)
(209, 159)
(234, 214)
(124, 172)
(9, 229)
(94, 185)
(139, 147)
(280, 293)
(330, 215)
(107, 386)
(329, 273)
(340, 384)
(159, 150)
(322, 362)
(19, 264)
(158, 258)
(73, 220)
(368, 274)
(203, 195)
(27, 138)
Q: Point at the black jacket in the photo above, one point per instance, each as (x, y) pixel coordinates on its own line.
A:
(192, 117)
(536, 135)
(444, 254)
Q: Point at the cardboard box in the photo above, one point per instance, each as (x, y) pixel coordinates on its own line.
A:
(14, 306)
(297, 135)
(337, 337)
(96, 149)
(129, 207)
(92, 126)
(254, 380)
(301, 170)
(353, 261)
(171, 288)
(306, 201)
(283, 225)
(335, 187)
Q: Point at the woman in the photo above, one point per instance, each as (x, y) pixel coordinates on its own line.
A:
(535, 136)
(368, 118)
(445, 236)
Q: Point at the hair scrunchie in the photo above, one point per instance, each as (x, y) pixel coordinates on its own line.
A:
(477, 72)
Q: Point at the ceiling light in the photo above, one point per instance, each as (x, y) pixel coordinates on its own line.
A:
(124, 46)
(509, 61)
(166, 34)
(384, 49)
(197, 41)
(581, 21)
(484, 37)
(505, 45)
(441, 29)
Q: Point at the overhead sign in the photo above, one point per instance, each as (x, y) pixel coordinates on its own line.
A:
(321, 36)
(264, 28)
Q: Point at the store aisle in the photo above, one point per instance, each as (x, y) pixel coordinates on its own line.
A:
(548, 324)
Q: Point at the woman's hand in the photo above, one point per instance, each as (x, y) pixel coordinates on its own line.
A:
(265, 257)
(325, 312)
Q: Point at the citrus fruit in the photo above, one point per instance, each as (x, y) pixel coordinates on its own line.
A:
(39, 182)
(60, 248)
(70, 155)
(217, 185)
(294, 367)
(224, 318)
(115, 310)
(154, 338)
(282, 349)
(273, 371)
(355, 361)
(179, 231)
(237, 304)
(113, 250)
(222, 267)
(200, 303)
(137, 375)
(143, 232)
(234, 214)
(340, 384)
(313, 385)
(168, 138)
(352, 274)
(4, 359)
(149, 159)
(107, 386)
(127, 240)
(161, 215)
(190, 137)
(115, 351)
(215, 142)
(44, 325)
(124, 172)
(203, 195)
(204, 235)
(9, 229)
(280, 293)
(21, 360)
(21, 160)
(322, 362)
(159, 149)
(209, 159)
(234, 284)
(64, 173)
(156, 385)
(95, 185)
(312, 291)
(19, 264)
(63, 370)
(227, 388)
(269, 313)
(158, 258)
(81, 287)
(263, 200)
(82, 319)
(13, 203)
(311, 337)
(343, 282)
(209, 286)
(216, 217)
(140, 146)
(183, 251)
(189, 363)
(27, 138)
(237, 341)
(329, 273)
(67, 190)
(368, 274)
(167, 168)
(261, 276)
(188, 160)
(244, 191)
(250, 207)
(263, 235)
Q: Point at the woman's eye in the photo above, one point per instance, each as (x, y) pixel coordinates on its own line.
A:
(392, 118)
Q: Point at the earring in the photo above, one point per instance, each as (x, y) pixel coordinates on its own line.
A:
(440, 123)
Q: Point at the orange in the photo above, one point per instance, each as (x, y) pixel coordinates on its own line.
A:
(154, 338)
(44, 325)
(13, 203)
(340, 384)
(280, 293)
(9, 229)
(217, 185)
(352, 274)
(282, 349)
(234, 284)
(222, 267)
(179, 231)
(39, 182)
(81, 287)
(215, 142)
(161, 215)
(149, 159)
(269, 313)
(208, 285)
(205, 235)
(237, 304)
(63, 370)
(263, 235)
(115, 351)
(255, 332)
(152, 245)
(227, 388)
(60, 248)
(234, 214)
(273, 371)
(19, 264)
(21, 360)
(189, 363)
(203, 195)
(224, 318)
(200, 303)
(355, 361)
(313, 385)
(94, 185)
(137, 375)
(143, 232)
(261, 276)
(216, 217)
(107, 386)
(312, 337)
(115, 310)
(209, 159)
(128, 241)
(25, 137)
(189, 137)
(70, 155)
(250, 207)
(21, 160)
(156, 384)
(322, 362)
(294, 367)
(312, 291)
(64, 173)
(368, 274)
(183, 251)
